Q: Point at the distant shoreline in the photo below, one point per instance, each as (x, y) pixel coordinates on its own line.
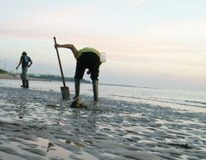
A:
(8, 76)
(12, 77)
(37, 77)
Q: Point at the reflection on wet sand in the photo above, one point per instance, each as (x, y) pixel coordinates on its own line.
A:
(39, 125)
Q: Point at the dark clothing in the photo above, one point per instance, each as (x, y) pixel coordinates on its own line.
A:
(25, 61)
(88, 60)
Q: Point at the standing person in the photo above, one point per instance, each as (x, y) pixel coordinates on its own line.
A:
(87, 58)
(26, 62)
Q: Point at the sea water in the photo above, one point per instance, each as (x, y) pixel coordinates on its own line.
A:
(180, 99)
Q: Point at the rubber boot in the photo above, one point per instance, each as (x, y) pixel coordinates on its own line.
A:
(95, 89)
(23, 83)
(77, 88)
(26, 84)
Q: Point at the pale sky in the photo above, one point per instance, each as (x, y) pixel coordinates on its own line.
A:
(152, 43)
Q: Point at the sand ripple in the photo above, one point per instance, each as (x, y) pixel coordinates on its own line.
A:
(38, 125)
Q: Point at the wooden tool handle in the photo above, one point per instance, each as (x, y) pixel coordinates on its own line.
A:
(60, 66)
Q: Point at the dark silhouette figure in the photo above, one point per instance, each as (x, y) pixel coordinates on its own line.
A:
(26, 62)
(87, 58)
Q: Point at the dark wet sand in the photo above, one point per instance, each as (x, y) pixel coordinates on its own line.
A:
(38, 125)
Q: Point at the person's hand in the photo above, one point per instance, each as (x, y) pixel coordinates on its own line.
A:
(88, 72)
(56, 45)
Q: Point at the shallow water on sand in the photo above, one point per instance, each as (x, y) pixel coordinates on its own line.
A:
(127, 123)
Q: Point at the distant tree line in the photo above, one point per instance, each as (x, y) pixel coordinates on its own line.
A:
(2, 71)
(48, 77)
(54, 77)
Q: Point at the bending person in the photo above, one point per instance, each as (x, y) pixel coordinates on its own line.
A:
(87, 58)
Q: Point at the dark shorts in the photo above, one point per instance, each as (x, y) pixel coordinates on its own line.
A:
(88, 60)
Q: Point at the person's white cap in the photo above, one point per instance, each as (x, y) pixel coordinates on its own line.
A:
(103, 57)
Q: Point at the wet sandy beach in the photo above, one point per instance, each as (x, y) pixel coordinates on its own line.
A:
(38, 125)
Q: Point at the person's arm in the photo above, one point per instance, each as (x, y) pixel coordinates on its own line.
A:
(30, 63)
(69, 46)
(20, 62)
